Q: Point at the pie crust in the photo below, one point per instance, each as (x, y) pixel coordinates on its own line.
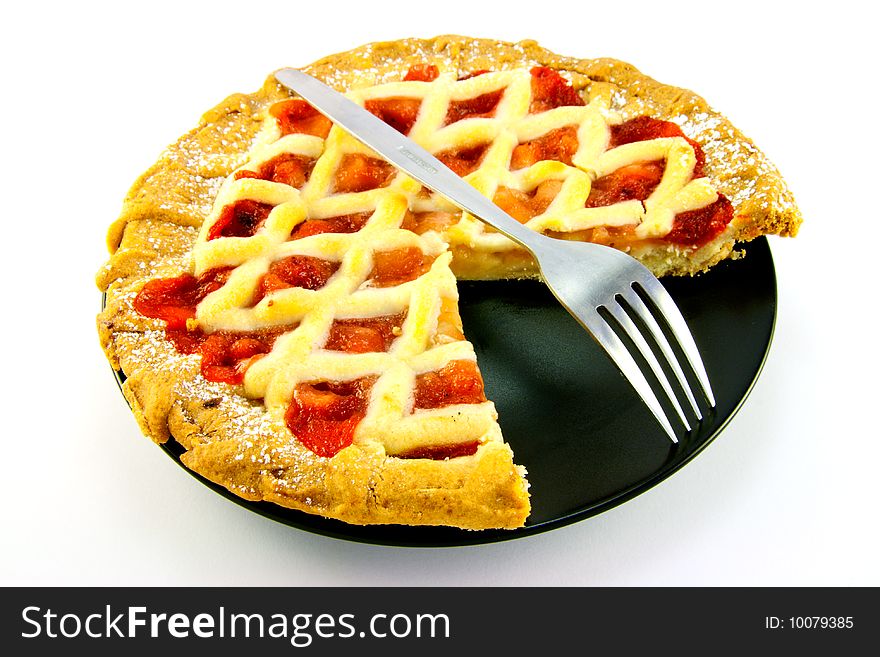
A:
(230, 437)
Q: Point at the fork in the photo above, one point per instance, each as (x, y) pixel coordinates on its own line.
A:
(604, 289)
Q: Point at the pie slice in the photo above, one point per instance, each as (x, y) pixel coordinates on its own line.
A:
(283, 302)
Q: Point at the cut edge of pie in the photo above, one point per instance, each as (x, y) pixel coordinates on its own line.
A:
(229, 438)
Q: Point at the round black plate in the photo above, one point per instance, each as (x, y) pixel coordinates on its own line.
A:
(587, 440)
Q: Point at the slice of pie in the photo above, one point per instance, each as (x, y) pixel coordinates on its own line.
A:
(283, 302)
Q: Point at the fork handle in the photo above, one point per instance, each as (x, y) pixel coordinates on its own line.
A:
(405, 154)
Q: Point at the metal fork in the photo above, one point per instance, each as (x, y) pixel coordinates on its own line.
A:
(600, 286)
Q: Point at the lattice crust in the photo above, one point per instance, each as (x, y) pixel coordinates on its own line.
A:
(513, 124)
(298, 356)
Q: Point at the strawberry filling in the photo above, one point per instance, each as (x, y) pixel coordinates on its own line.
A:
(560, 145)
(296, 116)
(323, 416)
(240, 219)
(422, 222)
(632, 182)
(350, 223)
(481, 106)
(359, 173)
(697, 227)
(360, 336)
(226, 355)
(399, 266)
(550, 90)
(465, 161)
(422, 73)
(459, 382)
(287, 168)
(399, 113)
(294, 271)
(523, 206)
(174, 300)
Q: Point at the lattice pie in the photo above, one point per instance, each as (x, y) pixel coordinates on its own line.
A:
(283, 302)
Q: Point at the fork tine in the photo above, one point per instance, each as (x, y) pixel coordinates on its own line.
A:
(670, 312)
(632, 331)
(618, 352)
(643, 313)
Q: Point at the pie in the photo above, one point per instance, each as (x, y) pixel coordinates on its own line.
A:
(283, 303)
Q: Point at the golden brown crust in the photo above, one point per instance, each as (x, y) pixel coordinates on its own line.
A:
(230, 439)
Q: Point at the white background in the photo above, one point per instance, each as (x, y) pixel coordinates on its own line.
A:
(91, 95)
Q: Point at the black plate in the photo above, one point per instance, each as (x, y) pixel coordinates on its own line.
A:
(587, 440)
